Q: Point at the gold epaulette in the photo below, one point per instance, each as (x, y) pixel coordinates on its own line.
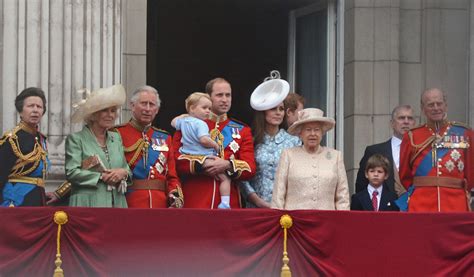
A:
(160, 130)
(238, 121)
(460, 124)
(10, 134)
(418, 127)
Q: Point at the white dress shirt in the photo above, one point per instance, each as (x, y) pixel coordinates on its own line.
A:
(396, 142)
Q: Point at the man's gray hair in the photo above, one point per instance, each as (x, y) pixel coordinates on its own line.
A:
(141, 89)
(445, 99)
(401, 107)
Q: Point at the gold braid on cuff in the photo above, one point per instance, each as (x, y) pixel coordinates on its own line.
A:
(238, 166)
(192, 160)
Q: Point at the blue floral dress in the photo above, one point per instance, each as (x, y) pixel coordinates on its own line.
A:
(267, 155)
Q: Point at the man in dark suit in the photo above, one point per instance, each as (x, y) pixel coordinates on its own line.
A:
(376, 196)
(402, 121)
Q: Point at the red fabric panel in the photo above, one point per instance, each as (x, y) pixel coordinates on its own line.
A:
(192, 242)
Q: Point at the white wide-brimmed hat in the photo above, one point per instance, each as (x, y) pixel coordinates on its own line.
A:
(97, 100)
(270, 93)
(311, 115)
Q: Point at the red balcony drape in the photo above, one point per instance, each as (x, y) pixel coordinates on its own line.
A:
(170, 242)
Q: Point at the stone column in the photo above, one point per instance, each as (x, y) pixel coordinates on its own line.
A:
(394, 50)
(371, 76)
(134, 49)
(471, 67)
(60, 46)
(434, 52)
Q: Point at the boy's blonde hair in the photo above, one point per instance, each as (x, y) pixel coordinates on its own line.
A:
(193, 99)
(378, 160)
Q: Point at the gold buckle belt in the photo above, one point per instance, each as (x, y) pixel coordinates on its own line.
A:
(29, 180)
(433, 181)
(148, 184)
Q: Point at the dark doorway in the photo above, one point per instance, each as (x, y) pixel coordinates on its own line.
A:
(190, 42)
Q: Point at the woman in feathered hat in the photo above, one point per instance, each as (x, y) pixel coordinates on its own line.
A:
(311, 176)
(95, 161)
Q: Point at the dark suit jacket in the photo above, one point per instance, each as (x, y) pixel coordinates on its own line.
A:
(385, 149)
(362, 201)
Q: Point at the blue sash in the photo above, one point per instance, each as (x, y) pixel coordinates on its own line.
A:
(426, 165)
(15, 194)
(142, 171)
(231, 128)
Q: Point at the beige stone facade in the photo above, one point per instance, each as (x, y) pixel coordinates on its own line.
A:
(393, 49)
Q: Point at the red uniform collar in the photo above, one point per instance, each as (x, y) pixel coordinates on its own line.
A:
(437, 126)
(138, 126)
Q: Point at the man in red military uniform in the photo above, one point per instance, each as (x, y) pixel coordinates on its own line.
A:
(149, 153)
(236, 157)
(436, 159)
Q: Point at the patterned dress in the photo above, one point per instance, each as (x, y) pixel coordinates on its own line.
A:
(267, 155)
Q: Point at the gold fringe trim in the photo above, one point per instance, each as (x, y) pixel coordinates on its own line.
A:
(192, 160)
(218, 137)
(60, 218)
(286, 222)
(34, 157)
(419, 147)
(139, 147)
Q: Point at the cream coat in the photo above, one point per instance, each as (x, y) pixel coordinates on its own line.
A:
(311, 181)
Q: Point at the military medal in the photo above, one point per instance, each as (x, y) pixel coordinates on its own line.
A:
(462, 143)
(449, 165)
(162, 158)
(455, 155)
(161, 145)
(153, 145)
(461, 166)
(234, 146)
(159, 167)
(456, 141)
(236, 133)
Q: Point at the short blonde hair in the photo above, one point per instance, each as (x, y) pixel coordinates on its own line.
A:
(194, 98)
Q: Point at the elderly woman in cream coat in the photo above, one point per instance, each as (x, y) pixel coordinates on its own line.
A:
(311, 176)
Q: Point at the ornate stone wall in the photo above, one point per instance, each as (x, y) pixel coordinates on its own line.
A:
(60, 46)
(393, 50)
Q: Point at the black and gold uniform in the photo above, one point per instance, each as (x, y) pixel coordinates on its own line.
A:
(24, 157)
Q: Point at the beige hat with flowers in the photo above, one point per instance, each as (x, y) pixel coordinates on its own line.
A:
(97, 100)
(311, 115)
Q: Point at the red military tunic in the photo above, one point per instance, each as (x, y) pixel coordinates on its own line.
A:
(202, 191)
(159, 164)
(439, 165)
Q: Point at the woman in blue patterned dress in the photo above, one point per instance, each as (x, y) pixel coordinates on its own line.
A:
(269, 141)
